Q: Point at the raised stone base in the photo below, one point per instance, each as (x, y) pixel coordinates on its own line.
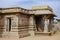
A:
(10, 35)
(32, 33)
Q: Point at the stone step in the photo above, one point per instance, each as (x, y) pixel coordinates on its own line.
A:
(42, 33)
(19, 27)
(24, 35)
(23, 29)
(13, 34)
(23, 32)
(10, 34)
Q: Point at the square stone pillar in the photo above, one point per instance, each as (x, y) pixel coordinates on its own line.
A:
(31, 25)
(14, 27)
(58, 24)
(52, 24)
(46, 23)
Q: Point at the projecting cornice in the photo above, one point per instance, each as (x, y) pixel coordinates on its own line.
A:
(39, 10)
(14, 9)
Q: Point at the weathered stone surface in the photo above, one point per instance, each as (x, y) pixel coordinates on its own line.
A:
(20, 22)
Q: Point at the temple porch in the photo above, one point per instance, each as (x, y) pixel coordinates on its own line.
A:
(44, 24)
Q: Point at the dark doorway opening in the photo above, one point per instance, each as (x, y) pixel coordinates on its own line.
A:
(9, 24)
(39, 23)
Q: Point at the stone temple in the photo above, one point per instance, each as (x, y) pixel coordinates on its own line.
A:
(19, 22)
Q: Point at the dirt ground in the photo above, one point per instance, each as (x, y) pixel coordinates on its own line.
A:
(37, 37)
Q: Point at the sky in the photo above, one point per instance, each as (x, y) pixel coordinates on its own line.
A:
(54, 4)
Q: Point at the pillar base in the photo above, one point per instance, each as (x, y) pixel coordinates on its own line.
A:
(10, 35)
(32, 33)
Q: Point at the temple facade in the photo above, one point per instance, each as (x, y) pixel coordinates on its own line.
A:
(19, 22)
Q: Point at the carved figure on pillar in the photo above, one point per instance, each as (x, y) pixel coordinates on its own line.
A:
(46, 23)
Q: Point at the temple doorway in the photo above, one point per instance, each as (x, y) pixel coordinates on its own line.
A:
(9, 24)
(39, 24)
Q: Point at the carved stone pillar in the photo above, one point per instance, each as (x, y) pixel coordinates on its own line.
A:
(52, 25)
(14, 27)
(31, 25)
(46, 23)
